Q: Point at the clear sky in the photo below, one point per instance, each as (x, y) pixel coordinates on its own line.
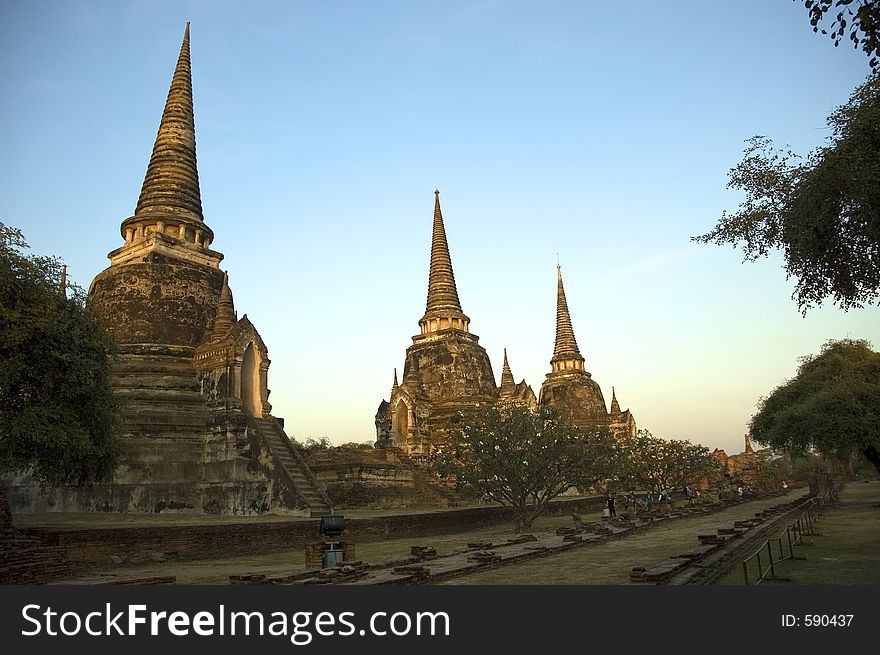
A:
(601, 132)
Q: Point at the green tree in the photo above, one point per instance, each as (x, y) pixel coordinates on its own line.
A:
(822, 211)
(830, 405)
(523, 459)
(861, 19)
(656, 464)
(57, 413)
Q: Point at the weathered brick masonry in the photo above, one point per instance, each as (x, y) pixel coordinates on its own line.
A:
(106, 546)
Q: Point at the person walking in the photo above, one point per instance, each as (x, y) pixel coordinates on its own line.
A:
(649, 501)
(666, 501)
(611, 511)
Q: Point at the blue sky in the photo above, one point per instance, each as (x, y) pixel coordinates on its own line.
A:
(598, 132)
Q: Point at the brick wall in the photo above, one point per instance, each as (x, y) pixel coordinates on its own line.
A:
(27, 558)
(146, 544)
(5, 516)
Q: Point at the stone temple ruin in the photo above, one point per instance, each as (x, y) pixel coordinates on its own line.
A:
(570, 388)
(446, 371)
(190, 376)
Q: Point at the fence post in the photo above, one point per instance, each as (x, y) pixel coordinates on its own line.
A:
(770, 555)
(746, 572)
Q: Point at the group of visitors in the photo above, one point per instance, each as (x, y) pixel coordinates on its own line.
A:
(633, 503)
(665, 498)
(744, 490)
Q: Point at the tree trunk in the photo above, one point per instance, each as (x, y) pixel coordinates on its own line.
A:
(526, 515)
(873, 456)
(534, 511)
(520, 511)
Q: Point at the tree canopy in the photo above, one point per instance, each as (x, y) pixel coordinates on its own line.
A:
(822, 211)
(655, 464)
(830, 405)
(860, 19)
(523, 459)
(57, 413)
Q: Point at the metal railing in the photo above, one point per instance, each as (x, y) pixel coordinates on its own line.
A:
(803, 526)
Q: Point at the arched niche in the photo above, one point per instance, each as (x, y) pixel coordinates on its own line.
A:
(400, 421)
(251, 398)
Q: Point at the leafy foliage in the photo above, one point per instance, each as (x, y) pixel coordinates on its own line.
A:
(312, 445)
(823, 211)
(523, 459)
(357, 445)
(831, 404)
(862, 19)
(656, 464)
(768, 465)
(57, 413)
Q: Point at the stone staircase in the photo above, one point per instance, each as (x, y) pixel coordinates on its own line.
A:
(291, 462)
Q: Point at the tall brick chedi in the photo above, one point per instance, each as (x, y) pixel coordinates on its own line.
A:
(569, 387)
(191, 377)
(164, 282)
(446, 370)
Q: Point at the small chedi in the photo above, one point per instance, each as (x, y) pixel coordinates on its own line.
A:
(190, 376)
(744, 468)
(519, 394)
(446, 371)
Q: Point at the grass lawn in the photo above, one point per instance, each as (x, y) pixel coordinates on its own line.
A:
(846, 551)
(603, 564)
(217, 571)
(610, 563)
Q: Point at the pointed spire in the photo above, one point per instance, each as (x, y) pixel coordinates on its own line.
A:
(395, 385)
(62, 285)
(748, 445)
(443, 300)
(225, 317)
(412, 378)
(411, 372)
(615, 406)
(508, 384)
(566, 347)
(171, 185)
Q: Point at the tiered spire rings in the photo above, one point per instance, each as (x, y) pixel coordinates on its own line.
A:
(443, 310)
